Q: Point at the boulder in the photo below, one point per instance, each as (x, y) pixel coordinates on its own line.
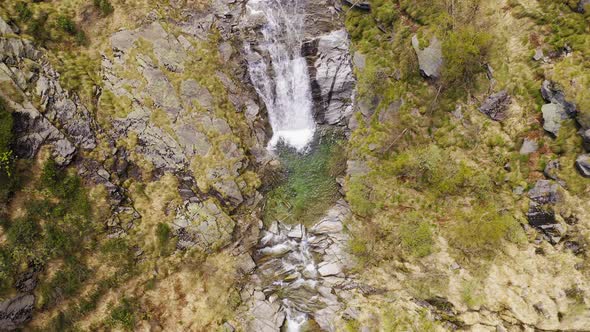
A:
(544, 192)
(552, 93)
(529, 146)
(551, 169)
(16, 311)
(583, 165)
(553, 115)
(538, 54)
(582, 6)
(430, 59)
(495, 106)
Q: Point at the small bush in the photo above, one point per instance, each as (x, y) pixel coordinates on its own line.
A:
(66, 24)
(465, 52)
(124, 314)
(416, 238)
(23, 11)
(38, 29)
(104, 6)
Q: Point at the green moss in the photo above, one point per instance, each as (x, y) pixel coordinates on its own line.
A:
(310, 187)
(124, 314)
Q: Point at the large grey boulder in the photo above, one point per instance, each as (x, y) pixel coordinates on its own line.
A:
(16, 311)
(430, 59)
(583, 165)
(495, 106)
(553, 116)
(552, 93)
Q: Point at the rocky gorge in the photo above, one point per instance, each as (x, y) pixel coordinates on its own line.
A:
(450, 197)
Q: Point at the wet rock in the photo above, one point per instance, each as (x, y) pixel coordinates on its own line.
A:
(496, 105)
(296, 232)
(552, 93)
(329, 269)
(553, 116)
(332, 79)
(430, 59)
(16, 311)
(529, 146)
(267, 317)
(583, 165)
(363, 5)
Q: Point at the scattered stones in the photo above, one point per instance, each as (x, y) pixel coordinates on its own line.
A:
(529, 146)
(430, 59)
(583, 165)
(16, 311)
(495, 106)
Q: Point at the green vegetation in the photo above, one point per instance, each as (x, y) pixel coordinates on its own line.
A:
(465, 52)
(310, 186)
(104, 6)
(6, 136)
(123, 315)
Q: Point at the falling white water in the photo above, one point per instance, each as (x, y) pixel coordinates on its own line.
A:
(285, 86)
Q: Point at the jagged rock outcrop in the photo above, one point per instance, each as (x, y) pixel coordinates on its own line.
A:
(496, 105)
(430, 58)
(558, 108)
(60, 120)
(541, 214)
(16, 311)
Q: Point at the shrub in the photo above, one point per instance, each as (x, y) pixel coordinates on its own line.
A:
(416, 238)
(66, 24)
(6, 136)
(104, 6)
(124, 314)
(38, 30)
(465, 52)
(23, 11)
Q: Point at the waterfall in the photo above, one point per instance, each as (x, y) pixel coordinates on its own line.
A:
(285, 85)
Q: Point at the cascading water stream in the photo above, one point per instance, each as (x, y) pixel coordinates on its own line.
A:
(284, 86)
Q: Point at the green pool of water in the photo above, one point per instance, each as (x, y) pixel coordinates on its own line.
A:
(309, 184)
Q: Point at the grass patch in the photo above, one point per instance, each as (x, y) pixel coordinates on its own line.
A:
(309, 187)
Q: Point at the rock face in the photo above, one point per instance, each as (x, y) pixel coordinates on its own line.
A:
(332, 79)
(495, 106)
(16, 311)
(430, 59)
(203, 225)
(541, 214)
(583, 165)
(60, 120)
